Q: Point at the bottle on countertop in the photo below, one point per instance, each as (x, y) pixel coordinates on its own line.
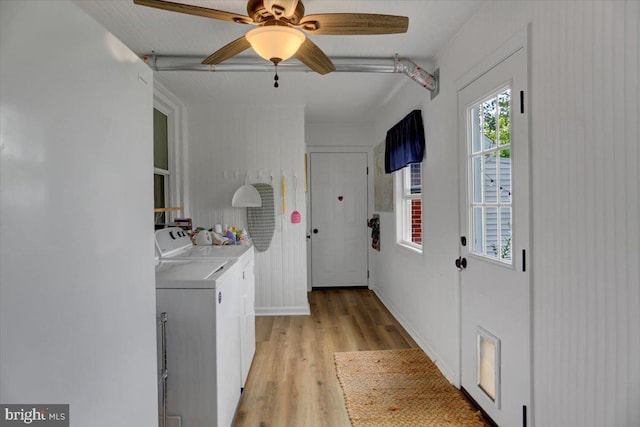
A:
(231, 236)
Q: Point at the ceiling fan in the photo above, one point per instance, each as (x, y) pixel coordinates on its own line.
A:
(281, 30)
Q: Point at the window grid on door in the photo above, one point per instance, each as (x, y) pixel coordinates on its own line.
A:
(490, 197)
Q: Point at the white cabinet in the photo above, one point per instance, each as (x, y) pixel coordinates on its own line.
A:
(228, 356)
(248, 316)
(204, 359)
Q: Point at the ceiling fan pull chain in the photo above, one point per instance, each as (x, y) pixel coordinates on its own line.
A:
(276, 78)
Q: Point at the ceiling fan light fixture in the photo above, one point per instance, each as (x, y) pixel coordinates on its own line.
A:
(277, 42)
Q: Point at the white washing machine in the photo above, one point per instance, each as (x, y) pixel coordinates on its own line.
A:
(202, 302)
(175, 244)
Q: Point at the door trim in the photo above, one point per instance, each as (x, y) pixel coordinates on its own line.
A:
(342, 149)
(519, 41)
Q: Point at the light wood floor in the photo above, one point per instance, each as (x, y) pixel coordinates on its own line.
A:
(292, 381)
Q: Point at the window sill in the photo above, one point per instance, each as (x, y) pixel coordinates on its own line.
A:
(408, 248)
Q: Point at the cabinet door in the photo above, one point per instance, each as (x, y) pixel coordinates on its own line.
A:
(248, 319)
(228, 348)
(191, 353)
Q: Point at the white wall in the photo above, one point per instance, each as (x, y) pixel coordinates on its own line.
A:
(339, 134)
(421, 289)
(77, 293)
(584, 139)
(225, 143)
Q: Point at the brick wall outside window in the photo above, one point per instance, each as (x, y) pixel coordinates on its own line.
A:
(416, 221)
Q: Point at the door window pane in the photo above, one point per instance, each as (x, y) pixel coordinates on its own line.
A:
(491, 176)
(478, 230)
(505, 176)
(491, 232)
(505, 234)
(477, 179)
(476, 130)
(489, 123)
(504, 118)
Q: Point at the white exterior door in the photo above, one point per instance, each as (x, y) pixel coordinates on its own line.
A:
(338, 219)
(495, 293)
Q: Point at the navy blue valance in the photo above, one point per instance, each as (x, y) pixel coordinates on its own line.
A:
(405, 143)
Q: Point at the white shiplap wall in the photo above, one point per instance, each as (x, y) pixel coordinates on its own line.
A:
(585, 99)
(226, 142)
(339, 134)
(585, 114)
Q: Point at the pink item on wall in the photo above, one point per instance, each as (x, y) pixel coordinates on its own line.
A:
(295, 215)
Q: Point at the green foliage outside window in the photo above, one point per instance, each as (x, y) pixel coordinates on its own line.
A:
(500, 134)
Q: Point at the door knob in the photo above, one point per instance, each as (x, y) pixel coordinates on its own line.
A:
(461, 263)
(315, 231)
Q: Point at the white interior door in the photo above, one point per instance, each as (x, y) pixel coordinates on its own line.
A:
(495, 294)
(338, 219)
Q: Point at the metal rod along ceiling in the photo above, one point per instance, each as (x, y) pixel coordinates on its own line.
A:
(343, 65)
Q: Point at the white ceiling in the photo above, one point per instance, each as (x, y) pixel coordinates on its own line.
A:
(336, 97)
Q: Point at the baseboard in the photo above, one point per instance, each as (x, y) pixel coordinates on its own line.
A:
(446, 371)
(283, 311)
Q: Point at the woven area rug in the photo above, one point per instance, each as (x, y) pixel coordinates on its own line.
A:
(400, 388)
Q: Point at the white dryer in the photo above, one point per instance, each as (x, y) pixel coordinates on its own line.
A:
(202, 301)
(175, 244)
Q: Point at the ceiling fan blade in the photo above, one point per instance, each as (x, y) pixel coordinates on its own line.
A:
(354, 24)
(195, 10)
(313, 57)
(232, 49)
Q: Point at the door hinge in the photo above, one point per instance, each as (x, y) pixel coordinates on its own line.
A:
(521, 102)
(367, 274)
(367, 170)
(524, 260)
(524, 415)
